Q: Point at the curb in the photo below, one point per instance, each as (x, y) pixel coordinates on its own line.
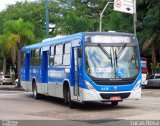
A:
(12, 88)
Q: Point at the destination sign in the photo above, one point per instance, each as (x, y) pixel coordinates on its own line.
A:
(110, 39)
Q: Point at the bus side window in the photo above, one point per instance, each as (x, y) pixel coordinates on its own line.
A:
(35, 57)
(32, 55)
(22, 59)
(40, 57)
(51, 59)
(58, 55)
(66, 56)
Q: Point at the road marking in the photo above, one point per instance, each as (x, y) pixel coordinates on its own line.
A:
(2, 95)
(147, 92)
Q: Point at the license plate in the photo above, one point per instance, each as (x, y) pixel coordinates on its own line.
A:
(115, 98)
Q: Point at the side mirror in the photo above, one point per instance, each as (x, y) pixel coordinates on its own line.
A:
(79, 52)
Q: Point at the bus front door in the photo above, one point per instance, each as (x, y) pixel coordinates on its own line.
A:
(76, 72)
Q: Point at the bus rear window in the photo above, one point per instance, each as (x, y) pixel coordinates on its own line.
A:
(143, 64)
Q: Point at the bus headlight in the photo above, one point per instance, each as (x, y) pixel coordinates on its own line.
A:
(89, 86)
(137, 86)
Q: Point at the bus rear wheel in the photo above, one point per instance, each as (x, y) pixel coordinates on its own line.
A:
(35, 93)
(115, 103)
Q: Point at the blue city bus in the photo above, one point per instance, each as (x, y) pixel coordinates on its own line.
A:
(87, 66)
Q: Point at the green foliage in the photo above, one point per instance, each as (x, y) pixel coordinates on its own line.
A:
(148, 26)
(3, 47)
(72, 16)
(119, 22)
(33, 12)
(19, 32)
(155, 67)
(16, 33)
(74, 24)
(84, 15)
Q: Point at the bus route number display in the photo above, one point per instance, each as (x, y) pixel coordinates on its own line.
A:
(110, 39)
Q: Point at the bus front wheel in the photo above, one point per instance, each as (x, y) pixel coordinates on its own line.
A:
(67, 97)
(71, 103)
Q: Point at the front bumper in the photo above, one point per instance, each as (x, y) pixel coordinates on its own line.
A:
(105, 96)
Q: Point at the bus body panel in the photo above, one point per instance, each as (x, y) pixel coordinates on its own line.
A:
(50, 79)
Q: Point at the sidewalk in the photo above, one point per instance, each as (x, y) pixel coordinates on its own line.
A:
(11, 88)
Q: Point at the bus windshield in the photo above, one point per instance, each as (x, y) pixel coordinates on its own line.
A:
(112, 61)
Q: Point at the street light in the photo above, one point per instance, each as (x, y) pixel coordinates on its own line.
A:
(101, 15)
(47, 20)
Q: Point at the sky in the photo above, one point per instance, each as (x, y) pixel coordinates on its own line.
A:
(3, 3)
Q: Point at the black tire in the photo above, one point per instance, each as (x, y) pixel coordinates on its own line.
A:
(1, 83)
(115, 103)
(71, 103)
(35, 93)
(67, 97)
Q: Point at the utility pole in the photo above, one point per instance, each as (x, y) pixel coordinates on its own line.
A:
(101, 15)
(47, 20)
(134, 16)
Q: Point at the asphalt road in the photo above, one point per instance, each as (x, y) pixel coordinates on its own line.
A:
(20, 105)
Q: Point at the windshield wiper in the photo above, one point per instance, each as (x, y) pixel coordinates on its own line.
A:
(109, 56)
(119, 54)
(120, 51)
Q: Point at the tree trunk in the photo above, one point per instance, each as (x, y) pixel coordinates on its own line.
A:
(19, 67)
(4, 65)
(153, 55)
(154, 58)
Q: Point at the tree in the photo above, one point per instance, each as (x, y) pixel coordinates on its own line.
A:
(4, 54)
(83, 15)
(18, 33)
(149, 28)
(75, 24)
(34, 12)
(119, 22)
